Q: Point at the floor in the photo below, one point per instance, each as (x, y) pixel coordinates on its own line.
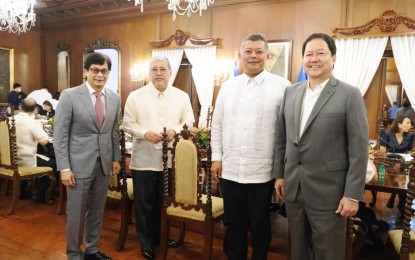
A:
(36, 232)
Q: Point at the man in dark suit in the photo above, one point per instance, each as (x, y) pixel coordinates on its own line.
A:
(321, 154)
(87, 149)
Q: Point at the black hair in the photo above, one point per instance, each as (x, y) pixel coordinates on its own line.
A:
(330, 42)
(97, 58)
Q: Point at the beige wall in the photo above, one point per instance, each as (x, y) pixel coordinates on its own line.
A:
(279, 19)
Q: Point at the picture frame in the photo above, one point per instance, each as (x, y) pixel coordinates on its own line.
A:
(6, 73)
(279, 57)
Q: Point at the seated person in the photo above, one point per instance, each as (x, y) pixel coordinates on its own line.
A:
(48, 109)
(397, 140)
(29, 134)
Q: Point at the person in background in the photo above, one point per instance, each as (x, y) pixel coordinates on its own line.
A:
(48, 109)
(15, 97)
(406, 109)
(29, 134)
(40, 96)
(321, 154)
(397, 140)
(392, 111)
(147, 110)
(243, 134)
(87, 150)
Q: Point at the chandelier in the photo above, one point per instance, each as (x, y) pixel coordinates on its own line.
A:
(189, 7)
(138, 2)
(17, 16)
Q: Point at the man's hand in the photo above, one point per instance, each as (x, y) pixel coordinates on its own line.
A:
(347, 207)
(153, 137)
(279, 188)
(68, 178)
(170, 134)
(216, 170)
(116, 167)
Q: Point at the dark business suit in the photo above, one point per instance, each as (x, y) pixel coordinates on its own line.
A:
(89, 152)
(320, 167)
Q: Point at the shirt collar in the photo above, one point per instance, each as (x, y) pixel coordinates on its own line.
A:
(258, 79)
(319, 87)
(156, 93)
(91, 90)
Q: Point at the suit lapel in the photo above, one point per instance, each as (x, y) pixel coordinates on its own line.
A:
(109, 103)
(298, 107)
(87, 101)
(325, 95)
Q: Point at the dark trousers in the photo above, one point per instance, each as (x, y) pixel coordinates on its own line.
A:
(247, 207)
(43, 182)
(148, 198)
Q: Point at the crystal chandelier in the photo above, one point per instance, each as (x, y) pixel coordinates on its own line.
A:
(17, 16)
(188, 7)
(138, 2)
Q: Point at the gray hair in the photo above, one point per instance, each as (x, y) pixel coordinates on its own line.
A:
(255, 37)
(160, 58)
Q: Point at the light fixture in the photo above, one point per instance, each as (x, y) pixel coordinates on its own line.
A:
(138, 2)
(189, 7)
(17, 16)
(138, 78)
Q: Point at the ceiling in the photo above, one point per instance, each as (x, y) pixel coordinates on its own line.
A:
(59, 13)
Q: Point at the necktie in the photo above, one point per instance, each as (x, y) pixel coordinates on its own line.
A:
(99, 108)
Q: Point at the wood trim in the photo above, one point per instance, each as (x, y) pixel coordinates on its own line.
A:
(389, 24)
(182, 40)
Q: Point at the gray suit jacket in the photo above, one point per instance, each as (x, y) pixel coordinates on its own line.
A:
(77, 139)
(329, 160)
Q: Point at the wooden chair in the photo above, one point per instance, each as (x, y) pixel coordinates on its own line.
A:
(403, 245)
(183, 199)
(120, 191)
(10, 171)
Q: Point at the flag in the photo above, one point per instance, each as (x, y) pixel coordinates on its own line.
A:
(302, 75)
(235, 67)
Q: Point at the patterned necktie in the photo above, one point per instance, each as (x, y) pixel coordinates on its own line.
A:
(99, 108)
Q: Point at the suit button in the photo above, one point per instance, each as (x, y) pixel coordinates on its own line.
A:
(300, 162)
(295, 144)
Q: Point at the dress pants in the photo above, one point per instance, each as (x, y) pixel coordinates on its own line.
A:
(85, 210)
(315, 234)
(148, 199)
(43, 182)
(247, 207)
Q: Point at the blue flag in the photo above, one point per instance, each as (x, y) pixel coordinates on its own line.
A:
(302, 75)
(235, 68)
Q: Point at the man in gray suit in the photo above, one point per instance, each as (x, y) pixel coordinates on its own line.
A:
(87, 150)
(321, 154)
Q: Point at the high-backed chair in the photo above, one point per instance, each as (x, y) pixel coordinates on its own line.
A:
(183, 199)
(120, 191)
(10, 171)
(401, 239)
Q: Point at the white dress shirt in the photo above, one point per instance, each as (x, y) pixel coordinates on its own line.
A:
(243, 126)
(309, 100)
(29, 133)
(147, 109)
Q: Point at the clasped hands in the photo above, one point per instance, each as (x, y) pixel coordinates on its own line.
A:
(155, 138)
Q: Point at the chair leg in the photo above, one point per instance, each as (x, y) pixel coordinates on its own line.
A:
(207, 248)
(62, 198)
(374, 197)
(165, 234)
(51, 188)
(126, 205)
(182, 227)
(15, 197)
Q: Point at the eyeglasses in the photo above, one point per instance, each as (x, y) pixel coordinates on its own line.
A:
(158, 70)
(97, 71)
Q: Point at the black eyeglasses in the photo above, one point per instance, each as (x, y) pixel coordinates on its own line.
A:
(97, 71)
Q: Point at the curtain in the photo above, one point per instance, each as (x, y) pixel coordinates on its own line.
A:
(203, 60)
(392, 93)
(403, 48)
(358, 59)
(175, 58)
